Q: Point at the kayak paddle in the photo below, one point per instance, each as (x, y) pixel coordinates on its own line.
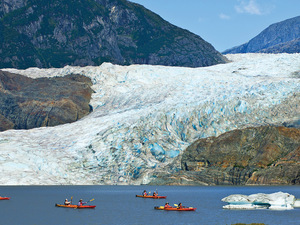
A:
(91, 200)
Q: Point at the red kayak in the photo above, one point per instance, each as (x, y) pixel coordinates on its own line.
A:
(175, 208)
(150, 196)
(4, 198)
(76, 206)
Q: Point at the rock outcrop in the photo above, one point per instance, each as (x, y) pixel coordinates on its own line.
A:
(27, 103)
(263, 155)
(7, 6)
(282, 37)
(57, 33)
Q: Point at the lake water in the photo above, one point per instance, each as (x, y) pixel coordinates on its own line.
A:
(118, 205)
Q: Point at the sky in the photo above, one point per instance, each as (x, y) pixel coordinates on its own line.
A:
(224, 23)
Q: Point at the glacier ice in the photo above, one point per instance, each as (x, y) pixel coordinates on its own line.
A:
(274, 201)
(145, 116)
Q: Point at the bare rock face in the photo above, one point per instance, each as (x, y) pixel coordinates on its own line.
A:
(28, 103)
(264, 155)
(10, 5)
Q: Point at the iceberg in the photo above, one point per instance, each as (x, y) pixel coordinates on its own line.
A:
(274, 201)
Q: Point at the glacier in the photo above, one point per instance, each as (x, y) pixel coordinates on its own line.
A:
(145, 116)
(274, 201)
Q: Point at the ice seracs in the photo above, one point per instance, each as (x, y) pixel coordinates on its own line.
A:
(274, 201)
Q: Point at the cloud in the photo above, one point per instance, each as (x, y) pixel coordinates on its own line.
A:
(249, 7)
(224, 16)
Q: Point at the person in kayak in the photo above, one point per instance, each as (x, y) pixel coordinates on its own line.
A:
(145, 193)
(80, 203)
(154, 194)
(179, 206)
(67, 202)
(167, 205)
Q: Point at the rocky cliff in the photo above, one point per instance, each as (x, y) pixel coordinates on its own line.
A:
(263, 155)
(27, 103)
(7, 6)
(63, 32)
(282, 37)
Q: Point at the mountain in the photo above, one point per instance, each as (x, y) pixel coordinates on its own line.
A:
(282, 37)
(145, 118)
(42, 33)
(28, 103)
(287, 47)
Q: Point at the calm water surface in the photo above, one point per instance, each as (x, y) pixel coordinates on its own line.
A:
(118, 205)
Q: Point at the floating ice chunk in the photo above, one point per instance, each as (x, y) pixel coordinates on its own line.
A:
(237, 199)
(235, 206)
(275, 201)
(297, 203)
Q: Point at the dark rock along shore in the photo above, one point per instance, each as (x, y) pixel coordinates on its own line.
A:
(264, 155)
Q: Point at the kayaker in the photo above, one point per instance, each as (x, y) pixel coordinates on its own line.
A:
(154, 194)
(145, 193)
(67, 202)
(80, 203)
(179, 206)
(167, 205)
